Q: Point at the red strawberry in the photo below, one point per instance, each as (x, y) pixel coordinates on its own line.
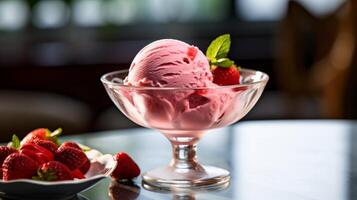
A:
(42, 134)
(85, 167)
(226, 75)
(78, 174)
(191, 52)
(49, 145)
(4, 153)
(126, 167)
(201, 91)
(76, 145)
(71, 144)
(37, 157)
(53, 171)
(18, 166)
(125, 190)
(73, 158)
(36, 152)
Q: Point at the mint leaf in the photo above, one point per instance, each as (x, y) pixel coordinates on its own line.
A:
(224, 62)
(15, 142)
(219, 47)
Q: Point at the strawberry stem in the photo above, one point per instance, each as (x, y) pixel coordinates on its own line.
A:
(54, 136)
(84, 147)
(49, 175)
(56, 132)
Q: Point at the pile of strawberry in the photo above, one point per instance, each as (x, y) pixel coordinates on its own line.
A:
(224, 71)
(40, 156)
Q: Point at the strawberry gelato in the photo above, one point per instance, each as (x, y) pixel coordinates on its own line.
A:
(170, 63)
(182, 69)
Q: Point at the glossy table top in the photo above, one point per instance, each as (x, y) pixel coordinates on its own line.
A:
(270, 160)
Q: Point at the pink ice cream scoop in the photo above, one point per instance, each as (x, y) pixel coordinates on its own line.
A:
(170, 63)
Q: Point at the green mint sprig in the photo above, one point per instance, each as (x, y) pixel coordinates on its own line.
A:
(218, 50)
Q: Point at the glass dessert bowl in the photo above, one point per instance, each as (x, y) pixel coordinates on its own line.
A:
(183, 115)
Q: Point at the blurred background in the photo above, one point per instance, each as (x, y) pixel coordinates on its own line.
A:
(53, 52)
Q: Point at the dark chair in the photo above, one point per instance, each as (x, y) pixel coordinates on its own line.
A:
(22, 111)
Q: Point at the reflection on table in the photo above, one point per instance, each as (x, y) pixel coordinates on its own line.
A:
(295, 160)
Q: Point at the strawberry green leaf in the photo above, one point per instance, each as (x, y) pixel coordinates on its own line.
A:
(54, 136)
(15, 142)
(49, 175)
(224, 62)
(84, 147)
(36, 178)
(219, 47)
(56, 132)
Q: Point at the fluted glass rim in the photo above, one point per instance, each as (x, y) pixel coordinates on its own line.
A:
(264, 79)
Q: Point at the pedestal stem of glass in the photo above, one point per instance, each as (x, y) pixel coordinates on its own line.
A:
(184, 171)
(184, 155)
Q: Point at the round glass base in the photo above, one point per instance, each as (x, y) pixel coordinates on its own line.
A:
(170, 178)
